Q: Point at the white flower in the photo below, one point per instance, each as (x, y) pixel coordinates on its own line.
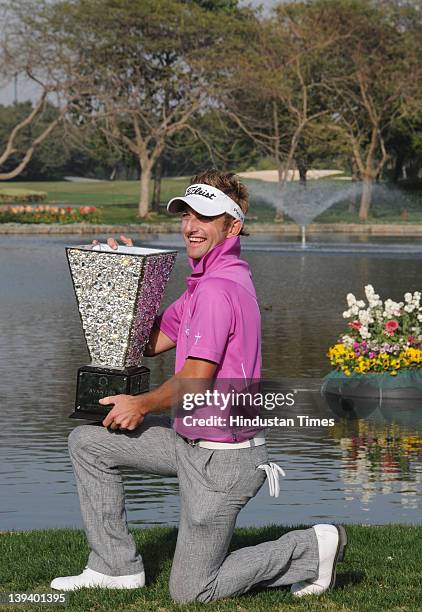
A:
(408, 297)
(360, 304)
(369, 291)
(351, 300)
(365, 317)
(409, 308)
(346, 314)
(374, 301)
(348, 341)
(392, 309)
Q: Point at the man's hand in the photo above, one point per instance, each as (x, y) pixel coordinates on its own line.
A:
(112, 242)
(127, 413)
(129, 410)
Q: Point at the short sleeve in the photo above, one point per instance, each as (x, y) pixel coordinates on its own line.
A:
(211, 323)
(169, 320)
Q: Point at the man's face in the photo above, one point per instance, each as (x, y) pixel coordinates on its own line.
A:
(201, 234)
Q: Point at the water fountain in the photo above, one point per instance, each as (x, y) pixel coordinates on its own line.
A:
(302, 204)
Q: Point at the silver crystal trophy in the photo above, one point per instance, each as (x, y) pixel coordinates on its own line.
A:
(118, 294)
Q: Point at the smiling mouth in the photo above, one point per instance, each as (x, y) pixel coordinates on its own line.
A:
(196, 240)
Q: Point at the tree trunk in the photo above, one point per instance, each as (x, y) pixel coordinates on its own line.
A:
(398, 168)
(157, 185)
(302, 173)
(354, 200)
(365, 200)
(279, 204)
(143, 207)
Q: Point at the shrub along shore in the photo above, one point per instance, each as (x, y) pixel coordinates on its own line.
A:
(116, 207)
(170, 227)
(381, 571)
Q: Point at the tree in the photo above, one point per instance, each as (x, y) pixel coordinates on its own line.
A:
(192, 149)
(21, 54)
(213, 140)
(403, 142)
(47, 157)
(143, 74)
(319, 145)
(17, 146)
(279, 86)
(373, 82)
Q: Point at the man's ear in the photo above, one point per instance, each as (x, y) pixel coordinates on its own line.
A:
(235, 228)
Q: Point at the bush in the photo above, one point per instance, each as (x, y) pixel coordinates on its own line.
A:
(48, 214)
(21, 195)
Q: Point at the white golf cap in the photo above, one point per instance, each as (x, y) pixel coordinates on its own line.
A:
(206, 200)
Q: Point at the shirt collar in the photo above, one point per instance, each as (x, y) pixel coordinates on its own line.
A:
(228, 248)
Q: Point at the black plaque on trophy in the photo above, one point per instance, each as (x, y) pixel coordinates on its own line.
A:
(93, 383)
(118, 294)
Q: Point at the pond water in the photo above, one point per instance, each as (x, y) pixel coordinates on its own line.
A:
(360, 471)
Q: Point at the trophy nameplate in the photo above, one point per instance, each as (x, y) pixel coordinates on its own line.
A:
(118, 294)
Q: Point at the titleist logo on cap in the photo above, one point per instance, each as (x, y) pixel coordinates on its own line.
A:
(199, 191)
(236, 213)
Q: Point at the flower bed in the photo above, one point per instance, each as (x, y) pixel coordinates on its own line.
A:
(48, 214)
(382, 337)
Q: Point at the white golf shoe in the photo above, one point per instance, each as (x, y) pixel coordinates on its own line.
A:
(332, 541)
(90, 578)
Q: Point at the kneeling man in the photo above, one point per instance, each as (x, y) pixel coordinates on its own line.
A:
(215, 327)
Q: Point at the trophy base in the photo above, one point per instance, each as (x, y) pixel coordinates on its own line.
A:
(95, 382)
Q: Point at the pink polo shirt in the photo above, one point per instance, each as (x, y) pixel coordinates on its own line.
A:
(217, 318)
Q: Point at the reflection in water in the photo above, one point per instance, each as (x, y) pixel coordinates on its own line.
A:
(352, 472)
(380, 459)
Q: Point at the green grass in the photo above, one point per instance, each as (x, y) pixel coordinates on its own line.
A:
(103, 193)
(118, 202)
(382, 571)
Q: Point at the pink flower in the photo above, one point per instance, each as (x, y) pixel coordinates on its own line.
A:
(391, 326)
(355, 324)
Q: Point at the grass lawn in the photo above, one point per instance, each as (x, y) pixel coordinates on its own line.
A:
(382, 571)
(117, 201)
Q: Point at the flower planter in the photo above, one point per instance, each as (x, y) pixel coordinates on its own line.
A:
(378, 361)
(397, 398)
